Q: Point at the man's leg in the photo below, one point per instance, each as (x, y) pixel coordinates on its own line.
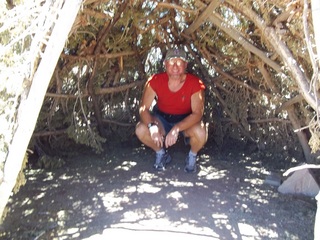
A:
(198, 135)
(143, 133)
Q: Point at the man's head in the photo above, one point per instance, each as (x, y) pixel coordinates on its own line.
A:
(175, 62)
(176, 53)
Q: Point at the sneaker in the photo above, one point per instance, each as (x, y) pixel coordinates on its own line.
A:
(191, 166)
(161, 161)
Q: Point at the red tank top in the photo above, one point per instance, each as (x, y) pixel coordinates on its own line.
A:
(175, 102)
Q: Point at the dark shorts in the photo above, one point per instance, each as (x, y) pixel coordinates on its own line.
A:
(169, 120)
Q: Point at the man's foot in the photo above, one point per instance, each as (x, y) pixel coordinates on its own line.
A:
(191, 165)
(161, 161)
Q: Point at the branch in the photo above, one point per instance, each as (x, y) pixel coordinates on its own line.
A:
(203, 17)
(289, 103)
(237, 36)
(119, 88)
(174, 6)
(283, 51)
(99, 91)
(97, 56)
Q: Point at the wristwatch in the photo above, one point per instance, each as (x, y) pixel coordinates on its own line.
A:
(151, 124)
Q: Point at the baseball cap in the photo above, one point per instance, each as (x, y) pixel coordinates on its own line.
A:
(176, 53)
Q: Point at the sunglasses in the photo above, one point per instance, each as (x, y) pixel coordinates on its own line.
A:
(177, 61)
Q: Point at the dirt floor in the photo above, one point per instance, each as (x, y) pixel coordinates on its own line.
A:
(118, 195)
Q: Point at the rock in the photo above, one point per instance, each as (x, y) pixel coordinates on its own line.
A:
(301, 182)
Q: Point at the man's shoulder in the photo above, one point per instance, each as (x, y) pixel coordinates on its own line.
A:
(196, 80)
(161, 75)
(190, 75)
(193, 77)
(158, 76)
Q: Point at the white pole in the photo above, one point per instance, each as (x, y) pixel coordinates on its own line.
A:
(32, 105)
(315, 8)
(317, 219)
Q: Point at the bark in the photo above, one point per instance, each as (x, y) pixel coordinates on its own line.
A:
(30, 108)
(301, 135)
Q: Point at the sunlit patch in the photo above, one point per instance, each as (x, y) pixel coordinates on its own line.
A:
(200, 184)
(205, 158)
(147, 188)
(141, 214)
(92, 180)
(146, 176)
(41, 195)
(182, 206)
(126, 165)
(28, 212)
(175, 195)
(254, 181)
(65, 177)
(49, 177)
(211, 173)
(130, 189)
(70, 232)
(219, 216)
(26, 201)
(76, 204)
(181, 184)
(247, 231)
(112, 202)
(131, 216)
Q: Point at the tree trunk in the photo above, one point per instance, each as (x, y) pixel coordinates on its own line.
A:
(30, 107)
(301, 135)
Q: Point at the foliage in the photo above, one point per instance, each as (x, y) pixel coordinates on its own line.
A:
(117, 43)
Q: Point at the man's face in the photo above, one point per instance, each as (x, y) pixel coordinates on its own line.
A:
(175, 66)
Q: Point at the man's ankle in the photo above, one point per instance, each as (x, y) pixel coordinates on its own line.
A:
(161, 152)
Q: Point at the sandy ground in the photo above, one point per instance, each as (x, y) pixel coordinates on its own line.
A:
(118, 195)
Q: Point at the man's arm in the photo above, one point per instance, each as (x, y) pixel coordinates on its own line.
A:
(197, 107)
(146, 101)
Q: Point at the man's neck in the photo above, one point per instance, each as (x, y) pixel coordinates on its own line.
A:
(177, 78)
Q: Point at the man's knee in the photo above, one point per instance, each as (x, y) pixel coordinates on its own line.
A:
(140, 130)
(198, 131)
(202, 134)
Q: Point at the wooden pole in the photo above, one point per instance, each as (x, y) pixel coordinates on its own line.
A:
(30, 108)
(317, 220)
(315, 8)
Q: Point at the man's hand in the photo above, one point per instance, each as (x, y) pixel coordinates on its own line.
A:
(172, 137)
(156, 135)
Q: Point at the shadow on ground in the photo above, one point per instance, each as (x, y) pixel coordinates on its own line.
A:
(119, 195)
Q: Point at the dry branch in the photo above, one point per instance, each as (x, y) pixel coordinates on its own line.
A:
(203, 17)
(119, 88)
(97, 56)
(175, 6)
(99, 91)
(289, 103)
(233, 33)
